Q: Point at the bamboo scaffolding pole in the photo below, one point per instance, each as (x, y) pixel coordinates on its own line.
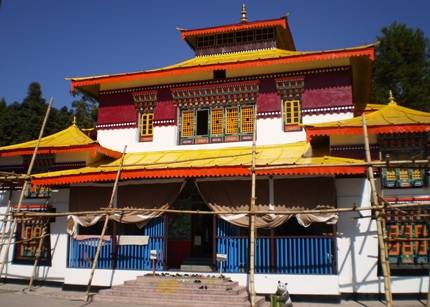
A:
(5, 221)
(24, 186)
(37, 257)
(251, 288)
(112, 211)
(379, 223)
(99, 245)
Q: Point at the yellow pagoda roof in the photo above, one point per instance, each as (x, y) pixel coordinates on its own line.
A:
(390, 114)
(271, 60)
(197, 163)
(390, 118)
(69, 139)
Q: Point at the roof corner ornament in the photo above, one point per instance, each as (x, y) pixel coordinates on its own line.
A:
(244, 17)
(391, 98)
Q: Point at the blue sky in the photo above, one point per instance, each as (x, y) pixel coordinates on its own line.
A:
(48, 40)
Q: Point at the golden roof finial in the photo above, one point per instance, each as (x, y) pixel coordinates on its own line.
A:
(74, 120)
(244, 17)
(391, 98)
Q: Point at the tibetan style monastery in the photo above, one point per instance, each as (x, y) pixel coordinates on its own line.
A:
(188, 128)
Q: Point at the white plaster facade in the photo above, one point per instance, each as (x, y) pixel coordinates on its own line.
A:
(269, 132)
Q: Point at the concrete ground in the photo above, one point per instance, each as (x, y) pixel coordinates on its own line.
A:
(12, 295)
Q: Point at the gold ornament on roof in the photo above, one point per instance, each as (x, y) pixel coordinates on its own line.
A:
(391, 98)
(244, 17)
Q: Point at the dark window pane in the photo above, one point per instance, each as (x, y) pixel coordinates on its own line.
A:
(202, 122)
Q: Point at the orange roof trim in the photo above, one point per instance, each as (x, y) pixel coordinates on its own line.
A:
(236, 27)
(199, 172)
(309, 57)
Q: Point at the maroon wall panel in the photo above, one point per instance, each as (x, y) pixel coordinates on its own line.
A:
(165, 108)
(268, 99)
(327, 90)
(116, 108)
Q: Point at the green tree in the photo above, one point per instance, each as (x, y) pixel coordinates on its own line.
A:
(85, 110)
(20, 122)
(403, 65)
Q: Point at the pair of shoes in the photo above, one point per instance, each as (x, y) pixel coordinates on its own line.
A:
(196, 281)
(203, 287)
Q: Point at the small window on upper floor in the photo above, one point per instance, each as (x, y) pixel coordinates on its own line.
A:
(146, 127)
(292, 115)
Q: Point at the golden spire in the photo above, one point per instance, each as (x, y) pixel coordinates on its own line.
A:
(244, 17)
(391, 98)
(74, 120)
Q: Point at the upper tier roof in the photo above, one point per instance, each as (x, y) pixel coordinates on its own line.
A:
(71, 139)
(284, 36)
(237, 64)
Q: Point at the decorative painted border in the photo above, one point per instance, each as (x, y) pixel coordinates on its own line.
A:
(116, 125)
(272, 114)
(335, 109)
(165, 122)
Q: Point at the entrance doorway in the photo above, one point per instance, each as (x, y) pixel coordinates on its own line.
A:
(190, 237)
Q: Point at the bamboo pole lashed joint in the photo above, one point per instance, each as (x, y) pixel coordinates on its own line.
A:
(25, 185)
(379, 223)
(102, 235)
(251, 287)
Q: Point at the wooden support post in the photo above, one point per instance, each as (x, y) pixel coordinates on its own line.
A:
(379, 223)
(251, 287)
(24, 187)
(37, 257)
(100, 243)
(4, 224)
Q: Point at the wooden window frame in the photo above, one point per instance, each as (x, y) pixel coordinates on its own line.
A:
(146, 126)
(292, 118)
(25, 231)
(217, 133)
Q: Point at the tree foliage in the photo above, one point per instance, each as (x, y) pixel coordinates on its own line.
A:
(21, 121)
(403, 65)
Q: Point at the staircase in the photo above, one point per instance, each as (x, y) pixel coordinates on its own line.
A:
(190, 291)
(196, 264)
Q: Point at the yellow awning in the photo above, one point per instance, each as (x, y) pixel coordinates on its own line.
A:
(195, 163)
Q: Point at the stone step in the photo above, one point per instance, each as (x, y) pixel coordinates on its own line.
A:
(161, 301)
(196, 268)
(181, 283)
(181, 297)
(172, 289)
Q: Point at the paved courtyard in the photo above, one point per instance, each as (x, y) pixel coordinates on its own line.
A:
(12, 295)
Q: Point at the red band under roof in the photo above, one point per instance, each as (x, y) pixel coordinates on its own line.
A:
(236, 27)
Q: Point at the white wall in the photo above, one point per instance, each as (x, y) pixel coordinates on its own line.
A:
(56, 272)
(358, 246)
(270, 131)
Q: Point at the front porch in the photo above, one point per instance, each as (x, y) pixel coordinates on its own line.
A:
(277, 254)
